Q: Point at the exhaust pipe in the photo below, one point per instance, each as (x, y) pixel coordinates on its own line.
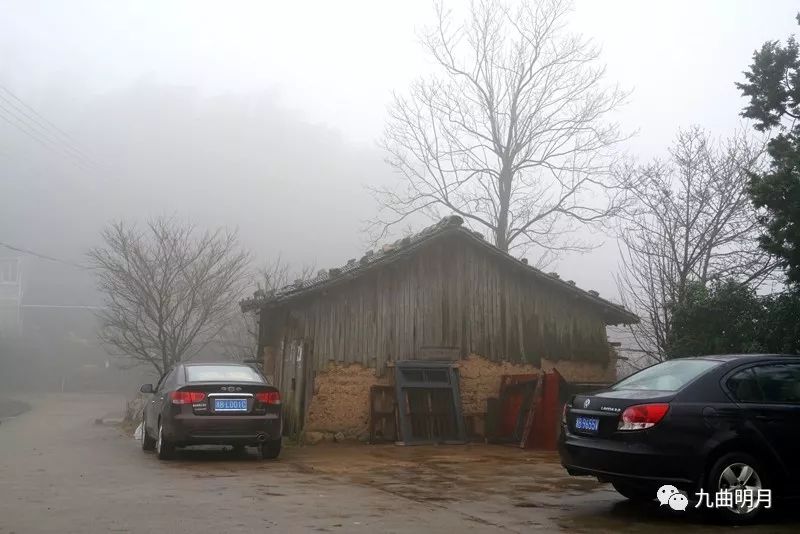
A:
(261, 438)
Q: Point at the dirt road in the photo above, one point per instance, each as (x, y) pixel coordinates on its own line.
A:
(62, 472)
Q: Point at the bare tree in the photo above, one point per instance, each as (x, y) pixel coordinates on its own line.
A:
(239, 339)
(692, 220)
(169, 289)
(511, 133)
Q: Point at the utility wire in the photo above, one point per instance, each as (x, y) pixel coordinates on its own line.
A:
(40, 129)
(33, 134)
(43, 256)
(24, 128)
(40, 126)
(63, 134)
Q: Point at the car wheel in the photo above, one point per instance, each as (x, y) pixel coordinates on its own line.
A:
(635, 492)
(736, 472)
(164, 449)
(148, 443)
(269, 450)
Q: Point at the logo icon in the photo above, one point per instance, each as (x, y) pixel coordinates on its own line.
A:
(665, 493)
(586, 403)
(678, 502)
(740, 500)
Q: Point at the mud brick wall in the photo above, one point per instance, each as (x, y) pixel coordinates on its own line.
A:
(340, 402)
(480, 378)
(576, 371)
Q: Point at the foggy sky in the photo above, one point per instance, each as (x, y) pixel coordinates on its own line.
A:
(264, 115)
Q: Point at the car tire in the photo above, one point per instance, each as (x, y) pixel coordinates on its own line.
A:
(635, 492)
(164, 449)
(148, 443)
(721, 476)
(269, 450)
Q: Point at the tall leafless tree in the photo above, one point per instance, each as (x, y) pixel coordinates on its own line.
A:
(169, 289)
(692, 220)
(239, 339)
(511, 131)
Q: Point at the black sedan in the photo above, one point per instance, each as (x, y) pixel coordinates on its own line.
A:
(716, 424)
(212, 404)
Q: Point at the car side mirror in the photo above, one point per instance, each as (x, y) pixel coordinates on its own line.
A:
(147, 388)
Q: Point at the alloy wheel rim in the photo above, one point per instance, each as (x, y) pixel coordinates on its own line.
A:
(159, 440)
(740, 476)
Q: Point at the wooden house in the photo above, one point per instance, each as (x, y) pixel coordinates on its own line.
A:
(442, 294)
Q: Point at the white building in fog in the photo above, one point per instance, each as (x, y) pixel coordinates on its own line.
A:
(11, 290)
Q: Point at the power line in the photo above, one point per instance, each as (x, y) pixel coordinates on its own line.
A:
(44, 119)
(24, 128)
(36, 136)
(39, 128)
(42, 127)
(43, 256)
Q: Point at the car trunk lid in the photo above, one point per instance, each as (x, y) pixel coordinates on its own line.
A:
(232, 398)
(606, 408)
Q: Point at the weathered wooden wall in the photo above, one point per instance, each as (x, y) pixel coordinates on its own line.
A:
(451, 293)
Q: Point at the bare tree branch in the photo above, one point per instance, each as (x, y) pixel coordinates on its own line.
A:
(169, 289)
(239, 339)
(511, 134)
(692, 220)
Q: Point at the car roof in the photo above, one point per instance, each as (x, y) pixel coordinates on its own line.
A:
(742, 357)
(229, 364)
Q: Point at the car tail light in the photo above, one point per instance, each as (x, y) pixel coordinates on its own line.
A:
(642, 416)
(186, 397)
(268, 397)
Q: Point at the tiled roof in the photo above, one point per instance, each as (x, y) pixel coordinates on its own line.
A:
(392, 251)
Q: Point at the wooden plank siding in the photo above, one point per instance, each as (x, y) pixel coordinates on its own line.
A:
(449, 293)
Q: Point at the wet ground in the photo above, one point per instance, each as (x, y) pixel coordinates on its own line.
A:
(60, 471)
(12, 408)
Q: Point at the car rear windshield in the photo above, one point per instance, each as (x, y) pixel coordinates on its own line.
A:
(667, 376)
(221, 373)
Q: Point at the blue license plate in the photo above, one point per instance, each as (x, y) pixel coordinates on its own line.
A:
(587, 424)
(230, 405)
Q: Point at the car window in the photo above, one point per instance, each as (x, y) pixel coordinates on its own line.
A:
(221, 373)
(780, 383)
(744, 387)
(667, 376)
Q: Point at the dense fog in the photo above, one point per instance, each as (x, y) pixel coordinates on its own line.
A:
(266, 120)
